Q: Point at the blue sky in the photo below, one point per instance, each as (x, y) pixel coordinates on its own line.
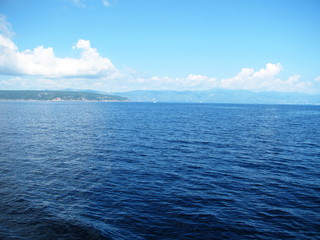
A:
(119, 45)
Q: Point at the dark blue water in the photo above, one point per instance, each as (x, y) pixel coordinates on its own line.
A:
(71, 170)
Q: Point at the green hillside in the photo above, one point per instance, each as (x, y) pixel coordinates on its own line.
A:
(58, 96)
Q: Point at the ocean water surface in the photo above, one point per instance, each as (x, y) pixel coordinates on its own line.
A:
(93, 170)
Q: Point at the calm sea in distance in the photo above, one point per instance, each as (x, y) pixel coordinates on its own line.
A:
(94, 170)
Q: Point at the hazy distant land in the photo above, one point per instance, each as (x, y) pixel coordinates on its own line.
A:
(222, 96)
(30, 95)
(209, 96)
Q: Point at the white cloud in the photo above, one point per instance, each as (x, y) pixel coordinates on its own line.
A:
(190, 82)
(269, 72)
(265, 80)
(105, 3)
(42, 61)
(5, 27)
(317, 79)
(197, 81)
(246, 79)
(82, 44)
(82, 3)
(78, 3)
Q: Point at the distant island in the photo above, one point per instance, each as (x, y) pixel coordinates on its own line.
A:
(37, 95)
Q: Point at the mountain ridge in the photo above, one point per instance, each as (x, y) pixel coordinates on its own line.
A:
(221, 96)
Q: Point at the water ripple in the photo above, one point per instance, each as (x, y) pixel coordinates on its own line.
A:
(158, 171)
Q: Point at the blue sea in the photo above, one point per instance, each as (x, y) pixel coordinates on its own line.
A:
(96, 170)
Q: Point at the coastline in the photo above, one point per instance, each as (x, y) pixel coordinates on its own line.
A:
(61, 100)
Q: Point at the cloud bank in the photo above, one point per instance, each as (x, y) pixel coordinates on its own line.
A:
(265, 79)
(82, 4)
(42, 61)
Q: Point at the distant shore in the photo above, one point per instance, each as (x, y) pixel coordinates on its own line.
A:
(62, 100)
(58, 96)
